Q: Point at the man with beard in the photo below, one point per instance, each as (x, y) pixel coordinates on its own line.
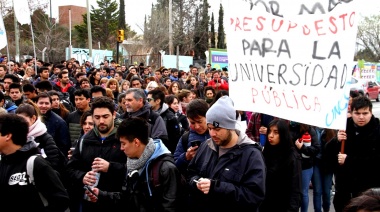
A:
(228, 171)
(55, 125)
(64, 86)
(97, 154)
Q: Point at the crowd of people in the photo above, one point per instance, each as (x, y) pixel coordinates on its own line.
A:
(120, 138)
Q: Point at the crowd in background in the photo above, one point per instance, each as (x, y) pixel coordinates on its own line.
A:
(80, 117)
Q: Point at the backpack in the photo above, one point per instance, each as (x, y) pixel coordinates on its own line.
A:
(65, 100)
(29, 172)
(173, 129)
(155, 181)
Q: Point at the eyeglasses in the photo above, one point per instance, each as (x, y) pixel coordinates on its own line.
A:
(149, 99)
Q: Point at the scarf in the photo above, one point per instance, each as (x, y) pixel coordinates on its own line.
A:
(37, 129)
(137, 164)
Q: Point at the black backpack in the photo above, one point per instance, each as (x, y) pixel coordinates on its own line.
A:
(173, 128)
(183, 193)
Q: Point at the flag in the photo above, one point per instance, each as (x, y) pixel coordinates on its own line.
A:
(3, 34)
(22, 11)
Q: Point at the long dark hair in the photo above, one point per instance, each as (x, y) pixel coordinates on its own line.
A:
(284, 133)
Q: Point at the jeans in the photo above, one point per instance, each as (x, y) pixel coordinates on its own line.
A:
(306, 178)
(322, 183)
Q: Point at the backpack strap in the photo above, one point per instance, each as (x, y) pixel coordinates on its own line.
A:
(29, 171)
(185, 140)
(156, 167)
(155, 173)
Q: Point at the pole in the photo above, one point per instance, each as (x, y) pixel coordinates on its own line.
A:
(89, 29)
(17, 38)
(177, 62)
(51, 17)
(70, 46)
(117, 52)
(170, 27)
(34, 48)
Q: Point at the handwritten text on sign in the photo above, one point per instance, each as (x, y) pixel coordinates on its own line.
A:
(296, 68)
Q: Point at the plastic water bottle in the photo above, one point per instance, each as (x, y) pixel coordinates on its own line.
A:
(97, 176)
(306, 138)
(263, 139)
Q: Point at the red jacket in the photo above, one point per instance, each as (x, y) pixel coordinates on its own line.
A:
(223, 84)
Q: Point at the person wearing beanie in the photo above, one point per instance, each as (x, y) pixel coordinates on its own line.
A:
(228, 171)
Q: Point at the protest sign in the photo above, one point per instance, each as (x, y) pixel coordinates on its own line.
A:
(295, 67)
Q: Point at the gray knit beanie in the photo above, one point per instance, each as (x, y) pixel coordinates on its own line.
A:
(222, 113)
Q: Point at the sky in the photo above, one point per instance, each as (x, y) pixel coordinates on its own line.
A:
(137, 9)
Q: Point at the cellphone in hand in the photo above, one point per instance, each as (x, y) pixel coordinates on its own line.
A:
(195, 143)
(90, 190)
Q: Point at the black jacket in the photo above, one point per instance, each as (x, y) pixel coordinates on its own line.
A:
(135, 195)
(238, 177)
(58, 129)
(283, 182)
(17, 194)
(310, 151)
(81, 161)
(56, 158)
(75, 129)
(360, 170)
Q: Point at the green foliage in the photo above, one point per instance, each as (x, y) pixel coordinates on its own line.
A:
(367, 55)
(104, 25)
(201, 32)
(212, 40)
(221, 35)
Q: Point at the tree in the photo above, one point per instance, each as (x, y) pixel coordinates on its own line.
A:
(369, 37)
(367, 55)
(156, 27)
(46, 34)
(221, 35)
(104, 24)
(212, 40)
(201, 32)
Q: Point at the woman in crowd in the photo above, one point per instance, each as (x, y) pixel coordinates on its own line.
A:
(184, 97)
(174, 88)
(30, 112)
(151, 86)
(103, 82)
(95, 77)
(283, 163)
(28, 74)
(124, 86)
(87, 124)
(114, 86)
(173, 103)
(182, 79)
(167, 82)
(202, 79)
(57, 106)
(194, 85)
(308, 148)
(209, 94)
(323, 171)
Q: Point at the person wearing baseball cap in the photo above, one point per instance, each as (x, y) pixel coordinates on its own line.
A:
(228, 171)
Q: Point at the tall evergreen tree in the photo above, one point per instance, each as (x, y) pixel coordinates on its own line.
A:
(201, 32)
(221, 35)
(212, 40)
(104, 23)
